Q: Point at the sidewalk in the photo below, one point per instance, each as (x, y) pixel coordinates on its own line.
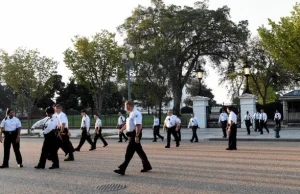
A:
(210, 134)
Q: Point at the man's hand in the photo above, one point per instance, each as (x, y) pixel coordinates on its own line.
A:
(120, 132)
(137, 140)
(18, 139)
(1, 139)
(87, 133)
(32, 129)
(69, 134)
(177, 129)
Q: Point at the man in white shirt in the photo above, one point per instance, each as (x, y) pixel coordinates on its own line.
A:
(247, 119)
(232, 129)
(156, 127)
(85, 134)
(223, 120)
(194, 124)
(263, 121)
(178, 128)
(277, 118)
(98, 132)
(256, 118)
(121, 123)
(49, 124)
(63, 138)
(170, 126)
(11, 127)
(134, 132)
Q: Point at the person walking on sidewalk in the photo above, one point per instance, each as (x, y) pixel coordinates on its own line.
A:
(156, 127)
(247, 120)
(223, 120)
(256, 118)
(263, 121)
(170, 126)
(85, 135)
(232, 129)
(121, 123)
(178, 128)
(134, 132)
(98, 132)
(194, 124)
(277, 119)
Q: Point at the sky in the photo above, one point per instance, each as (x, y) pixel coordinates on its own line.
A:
(49, 25)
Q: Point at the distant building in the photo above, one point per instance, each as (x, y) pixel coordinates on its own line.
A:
(291, 107)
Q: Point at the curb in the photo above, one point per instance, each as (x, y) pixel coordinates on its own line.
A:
(261, 140)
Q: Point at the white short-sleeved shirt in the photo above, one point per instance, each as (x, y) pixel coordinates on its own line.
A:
(170, 121)
(121, 120)
(223, 117)
(62, 118)
(11, 124)
(193, 122)
(135, 118)
(232, 117)
(277, 116)
(256, 116)
(48, 123)
(156, 122)
(85, 122)
(263, 116)
(98, 123)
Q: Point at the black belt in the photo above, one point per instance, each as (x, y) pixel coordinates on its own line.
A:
(9, 132)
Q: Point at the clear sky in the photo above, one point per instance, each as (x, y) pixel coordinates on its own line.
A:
(49, 25)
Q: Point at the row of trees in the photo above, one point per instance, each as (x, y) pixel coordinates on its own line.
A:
(168, 42)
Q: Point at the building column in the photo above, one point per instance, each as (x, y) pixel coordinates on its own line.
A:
(199, 107)
(285, 113)
(248, 103)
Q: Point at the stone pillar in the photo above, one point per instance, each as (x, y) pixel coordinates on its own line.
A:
(248, 103)
(284, 112)
(199, 107)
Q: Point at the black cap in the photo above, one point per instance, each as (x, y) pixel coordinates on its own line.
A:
(83, 111)
(49, 110)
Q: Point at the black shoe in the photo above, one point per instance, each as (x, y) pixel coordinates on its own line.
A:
(162, 139)
(191, 141)
(146, 169)
(154, 141)
(53, 167)
(39, 167)
(261, 133)
(69, 159)
(20, 165)
(4, 166)
(255, 130)
(234, 148)
(93, 148)
(248, 133)
(126, 140)
(228, 148)
(77, 150)
(120, 141)
(177, 145)
(196, 141)
(119, 172)
(167, 146)
(105, 145)
(66, 154)
(224, 136)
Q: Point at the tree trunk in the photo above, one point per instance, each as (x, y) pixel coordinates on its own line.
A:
(160, 110)
(177, 95)
(98, 101)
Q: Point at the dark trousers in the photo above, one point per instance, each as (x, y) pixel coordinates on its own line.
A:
(10, 139)
(224, 125)
(85, 136)
(248, 125)
(195, 136)
(156, 133)
(179, 134)
(172, 131)
(49, 147)
(278, 123)
(232, 137)
(263, 125)
(63, 142)
(122, 134)
(257, 128)
(99, 135)
(131, 149)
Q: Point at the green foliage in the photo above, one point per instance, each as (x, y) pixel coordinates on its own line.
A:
(282, 40)
(180, 36)
(93, 61)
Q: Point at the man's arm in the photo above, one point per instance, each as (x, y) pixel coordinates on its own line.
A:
(1, 130)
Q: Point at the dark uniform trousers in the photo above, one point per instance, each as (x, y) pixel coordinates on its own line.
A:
(263, 125)
(195, 136)
(224, 125)
(156, 132)
(49, 147)
(85, 136)
(99, 135)
(257, 127)
(172, 130)
(63, 142)
(122, 134)
(278, 123)
(248, 125)
(179, 133)
(10, 138)
(131, 149)
(232, 137)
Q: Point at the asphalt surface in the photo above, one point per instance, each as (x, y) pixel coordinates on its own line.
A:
(204, 167)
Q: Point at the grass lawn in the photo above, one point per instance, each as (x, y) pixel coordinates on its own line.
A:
(107, 120)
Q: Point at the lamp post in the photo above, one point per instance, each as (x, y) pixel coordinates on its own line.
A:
(246, 69)
(129, 63)
(200, 72)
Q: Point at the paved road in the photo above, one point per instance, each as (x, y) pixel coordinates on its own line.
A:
(212, 133)
(256, 167)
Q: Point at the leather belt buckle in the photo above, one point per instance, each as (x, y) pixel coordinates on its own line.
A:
(9, 132)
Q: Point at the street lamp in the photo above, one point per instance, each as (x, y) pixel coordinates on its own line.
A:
(200, 72)
(246, 69)
(129, 63)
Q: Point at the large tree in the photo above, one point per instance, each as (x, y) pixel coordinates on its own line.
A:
(27, 73)
(93, 61)
(282, 41)
(68, 97)
(183, 35)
